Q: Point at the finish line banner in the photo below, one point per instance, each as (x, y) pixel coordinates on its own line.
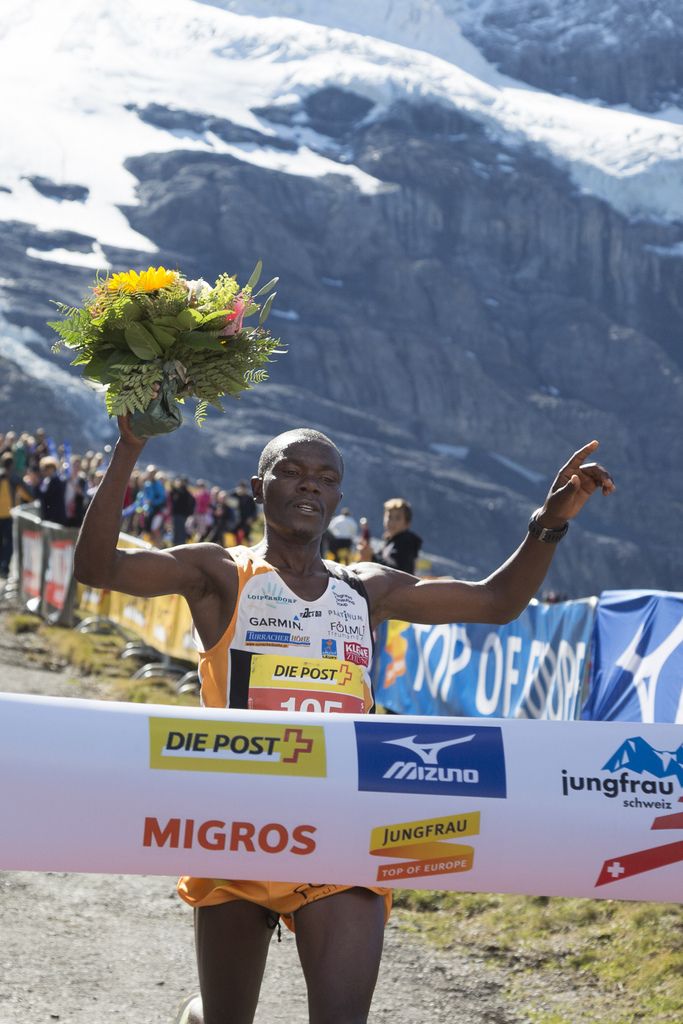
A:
(537, 807)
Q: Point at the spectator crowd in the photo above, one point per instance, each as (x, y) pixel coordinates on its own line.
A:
(162, 508)
(165, 509)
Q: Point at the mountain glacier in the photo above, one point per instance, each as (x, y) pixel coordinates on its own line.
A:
(479, 270)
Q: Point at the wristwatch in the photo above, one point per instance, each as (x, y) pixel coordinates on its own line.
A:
(544, 533)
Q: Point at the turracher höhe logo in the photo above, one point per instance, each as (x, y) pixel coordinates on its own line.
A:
(426, 847)
(198, 745)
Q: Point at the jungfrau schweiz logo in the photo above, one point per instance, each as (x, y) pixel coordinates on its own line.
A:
(634, 758)
(660, 789)
(444, 759)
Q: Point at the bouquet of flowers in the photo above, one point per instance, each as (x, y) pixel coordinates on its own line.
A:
(154, 338)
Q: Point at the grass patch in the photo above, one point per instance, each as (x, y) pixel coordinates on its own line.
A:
(23, 622)
(151, 691)
(90, 653)
(98, 656)
(568, 961)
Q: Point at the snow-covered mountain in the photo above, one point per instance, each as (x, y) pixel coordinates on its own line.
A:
(624, 51)
(477, 274)
(75, 120)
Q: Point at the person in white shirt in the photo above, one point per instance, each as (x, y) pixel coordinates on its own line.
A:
(341, 535)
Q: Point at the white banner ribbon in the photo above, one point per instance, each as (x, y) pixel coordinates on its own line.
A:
(536, 807)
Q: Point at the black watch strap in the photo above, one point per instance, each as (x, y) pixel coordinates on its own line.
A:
(544, 533)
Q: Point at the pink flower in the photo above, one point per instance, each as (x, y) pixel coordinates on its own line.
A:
(233, 321)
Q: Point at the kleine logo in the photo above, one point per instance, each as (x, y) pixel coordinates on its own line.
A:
(356, 653)
(445, 759)
(179, 744)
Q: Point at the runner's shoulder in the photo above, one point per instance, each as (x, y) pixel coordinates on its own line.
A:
(207, 557)
(380, 580)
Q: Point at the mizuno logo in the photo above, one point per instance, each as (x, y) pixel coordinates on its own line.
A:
(455, 760)
(428, 752)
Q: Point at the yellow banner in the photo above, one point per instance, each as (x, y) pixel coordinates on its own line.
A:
(193, 745)
(92, 601)
(164, 622)
(427, 842)
(322, 674)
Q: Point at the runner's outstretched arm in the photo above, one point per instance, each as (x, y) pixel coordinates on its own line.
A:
(202, 573)
(504, 594)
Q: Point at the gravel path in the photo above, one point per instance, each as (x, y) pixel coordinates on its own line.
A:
(100, 949)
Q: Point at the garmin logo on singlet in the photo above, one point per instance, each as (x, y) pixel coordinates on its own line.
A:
(453, 760)
(273, 622)
(271, 632)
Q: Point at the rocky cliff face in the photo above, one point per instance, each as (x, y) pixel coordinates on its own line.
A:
(459, 332)
(629, 51)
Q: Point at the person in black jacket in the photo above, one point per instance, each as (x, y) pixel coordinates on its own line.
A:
(400, 546)
(246, 511)
(182, 507)
(75, 492)
(52, 489)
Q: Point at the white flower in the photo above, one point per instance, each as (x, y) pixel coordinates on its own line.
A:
(198, 291)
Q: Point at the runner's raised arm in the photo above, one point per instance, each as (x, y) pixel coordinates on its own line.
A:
(504, 594)
(204, 574)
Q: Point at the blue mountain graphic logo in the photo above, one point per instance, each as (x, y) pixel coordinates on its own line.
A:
(636, 755)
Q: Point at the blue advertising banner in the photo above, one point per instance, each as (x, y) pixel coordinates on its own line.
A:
(531, 668)
(637, 658)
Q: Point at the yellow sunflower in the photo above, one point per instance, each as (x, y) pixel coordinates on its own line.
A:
(150, 280)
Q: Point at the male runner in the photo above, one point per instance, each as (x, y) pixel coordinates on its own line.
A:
(339, 930)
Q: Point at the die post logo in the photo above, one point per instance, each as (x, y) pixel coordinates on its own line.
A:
(198, 745)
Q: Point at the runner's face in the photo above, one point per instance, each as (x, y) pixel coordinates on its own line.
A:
(302, 489)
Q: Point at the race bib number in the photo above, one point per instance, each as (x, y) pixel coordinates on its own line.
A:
(305, 684)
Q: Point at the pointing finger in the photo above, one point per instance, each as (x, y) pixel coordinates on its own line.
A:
(577, 458)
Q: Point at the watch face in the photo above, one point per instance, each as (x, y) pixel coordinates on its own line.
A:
(552, 536)
(544, 533)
